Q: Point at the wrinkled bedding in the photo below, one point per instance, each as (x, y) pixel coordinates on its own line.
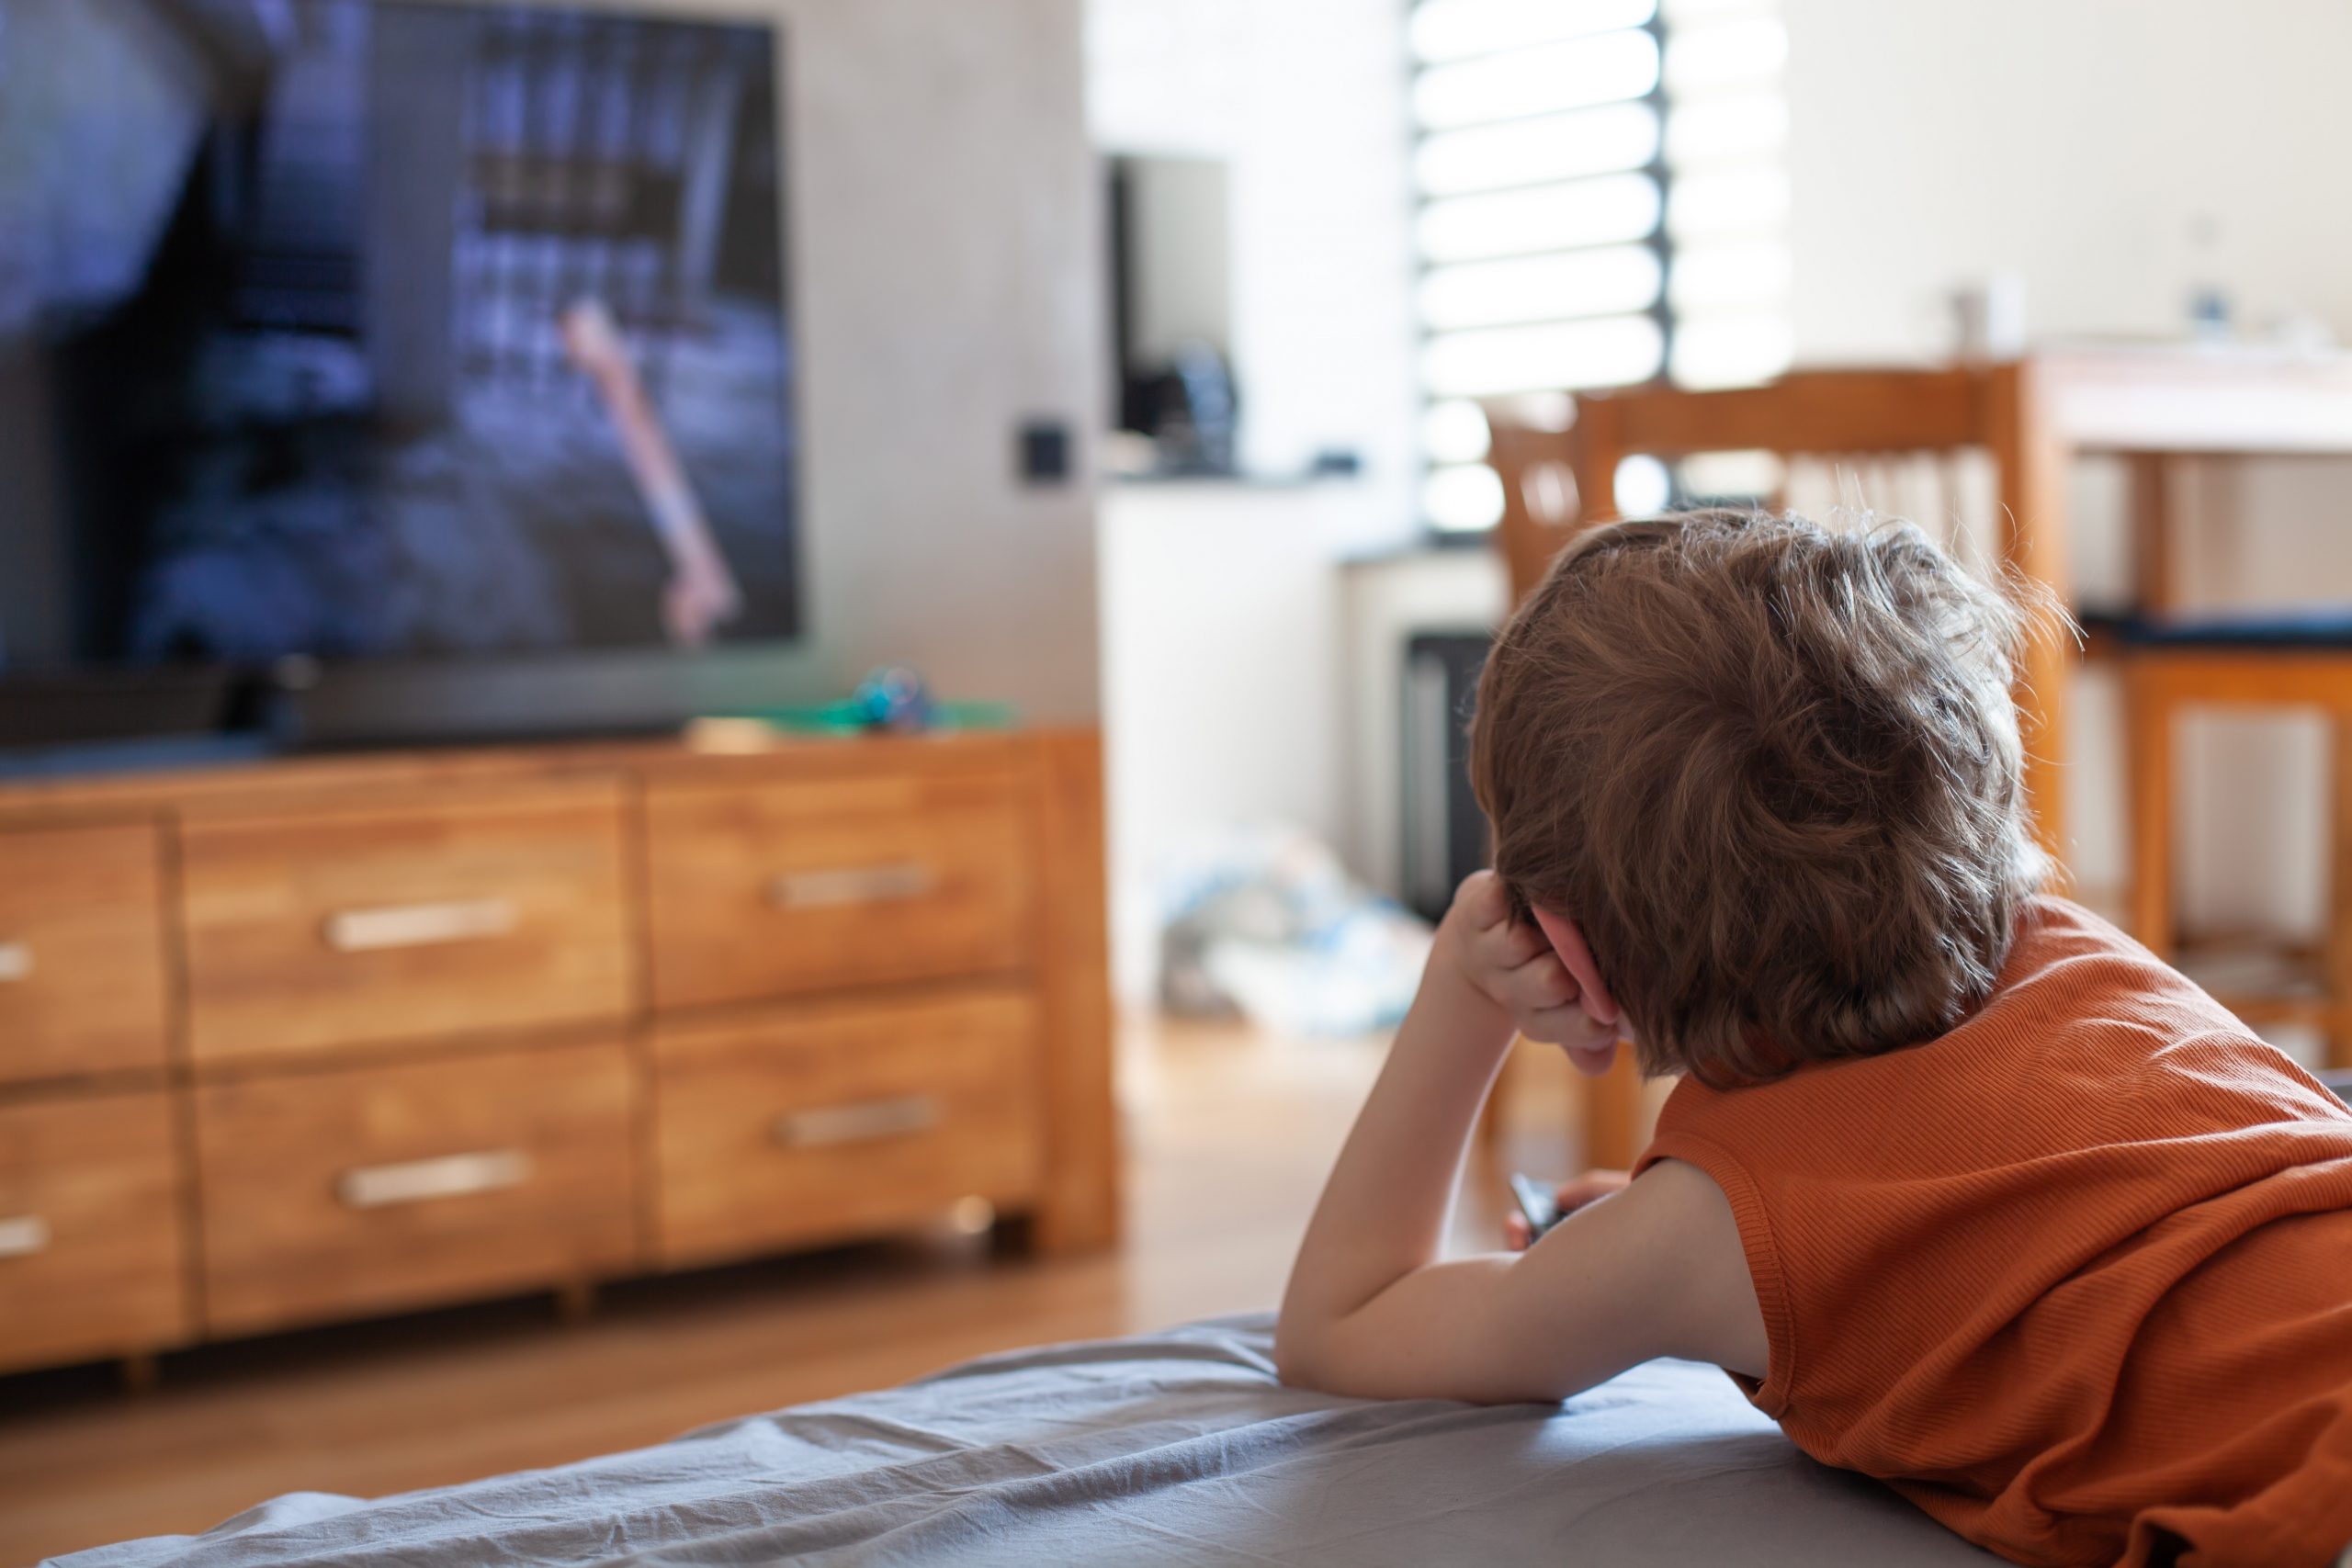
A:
(1177, 1448)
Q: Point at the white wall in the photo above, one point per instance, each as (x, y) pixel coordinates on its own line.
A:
(2076, 143)
(1304, 100)
(1226, 686)
(1222, 680)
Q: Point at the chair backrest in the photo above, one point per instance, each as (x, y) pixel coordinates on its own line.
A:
(1555, 481)
(1539, 499)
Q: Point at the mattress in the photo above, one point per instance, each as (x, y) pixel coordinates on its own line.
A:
(1177, 1448)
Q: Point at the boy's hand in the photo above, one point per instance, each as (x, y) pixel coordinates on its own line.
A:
(1511, 963)
(1592, 1186)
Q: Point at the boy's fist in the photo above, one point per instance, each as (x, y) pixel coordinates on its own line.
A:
(1516, 966)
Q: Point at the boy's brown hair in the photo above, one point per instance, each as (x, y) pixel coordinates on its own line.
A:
(1774, 774)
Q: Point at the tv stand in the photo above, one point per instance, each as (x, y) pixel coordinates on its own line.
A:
(307, 1038)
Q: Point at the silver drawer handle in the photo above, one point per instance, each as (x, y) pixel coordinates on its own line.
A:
(852, 884)
(23, 1236)
(15, 961)
(866, 1121)
(419, 925)
(421, 1181)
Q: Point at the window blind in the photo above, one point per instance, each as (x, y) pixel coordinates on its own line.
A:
(1602, 199)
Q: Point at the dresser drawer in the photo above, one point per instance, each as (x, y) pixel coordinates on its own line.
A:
(842, 1121)
(340, 1192)
(81, 951)
(405, 922)
(776, 889)
(91, 1259)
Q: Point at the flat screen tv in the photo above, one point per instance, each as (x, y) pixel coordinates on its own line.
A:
(347, 336)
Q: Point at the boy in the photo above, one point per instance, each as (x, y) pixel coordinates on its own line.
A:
(1964, 1187)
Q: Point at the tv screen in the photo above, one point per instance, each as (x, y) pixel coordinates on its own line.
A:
(387, 330)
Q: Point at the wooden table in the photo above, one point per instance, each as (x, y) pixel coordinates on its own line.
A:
(2147, 403)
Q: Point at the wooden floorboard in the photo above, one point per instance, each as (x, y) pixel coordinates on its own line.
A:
(1228, 1135)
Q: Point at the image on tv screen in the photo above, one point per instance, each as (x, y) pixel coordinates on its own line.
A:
(387, 329)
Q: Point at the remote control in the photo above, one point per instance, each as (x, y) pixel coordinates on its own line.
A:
(1535, 1201)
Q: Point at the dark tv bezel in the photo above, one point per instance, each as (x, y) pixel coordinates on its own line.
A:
(427, 699)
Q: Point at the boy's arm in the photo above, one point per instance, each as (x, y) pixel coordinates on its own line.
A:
(1373, 1311)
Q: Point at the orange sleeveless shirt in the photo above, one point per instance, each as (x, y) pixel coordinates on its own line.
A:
(2075, 1278)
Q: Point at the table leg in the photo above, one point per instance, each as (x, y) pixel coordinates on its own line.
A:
(2148, 761)
(2150, 516)
(2338, 954)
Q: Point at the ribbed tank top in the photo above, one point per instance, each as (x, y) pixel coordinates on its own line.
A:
(2075, 1278)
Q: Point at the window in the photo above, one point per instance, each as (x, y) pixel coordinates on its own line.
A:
(1602, 201)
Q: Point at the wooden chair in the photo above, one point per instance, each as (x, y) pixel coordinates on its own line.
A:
(2163, 677)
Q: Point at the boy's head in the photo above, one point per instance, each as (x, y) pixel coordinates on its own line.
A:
(1773, 773)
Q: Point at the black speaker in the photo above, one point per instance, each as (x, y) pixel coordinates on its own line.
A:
(1445, 833)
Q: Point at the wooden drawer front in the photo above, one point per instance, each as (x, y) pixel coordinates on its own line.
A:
(843, 1121)
(405, 924)
(91, 1259)
(371, 1189)
(771, 890)
(81, 951)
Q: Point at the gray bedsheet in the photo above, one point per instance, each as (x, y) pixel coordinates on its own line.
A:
(1177, 1448)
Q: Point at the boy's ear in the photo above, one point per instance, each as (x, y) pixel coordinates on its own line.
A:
(1568, 942)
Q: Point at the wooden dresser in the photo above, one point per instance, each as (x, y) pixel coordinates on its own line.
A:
(312, 1039)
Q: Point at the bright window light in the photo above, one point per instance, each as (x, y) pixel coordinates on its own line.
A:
(1724, 275)
(1611, 209)
(1611, 352)
(1581, 227)
(1707, 59)
(1746, 126)
(1607, 281)
(1454, 29)
(1716, 476)
(1575, 75)
(1690, 13)
(1455, 431)
(1644, 486)
(1729, 201)
(1460, 500)
(1731, 351)
(1552, 410)
(1528, 151)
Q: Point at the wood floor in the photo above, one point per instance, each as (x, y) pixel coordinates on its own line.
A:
(1229, 1136)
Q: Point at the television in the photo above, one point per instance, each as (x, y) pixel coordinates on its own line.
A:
(415, 348)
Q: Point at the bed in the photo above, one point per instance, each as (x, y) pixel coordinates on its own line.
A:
(1177, 1448)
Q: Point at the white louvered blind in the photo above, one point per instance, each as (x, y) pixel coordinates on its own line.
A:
(1602, 201)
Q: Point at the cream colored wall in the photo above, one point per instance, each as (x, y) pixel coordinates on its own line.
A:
(2072, 141)
(2075, 142)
